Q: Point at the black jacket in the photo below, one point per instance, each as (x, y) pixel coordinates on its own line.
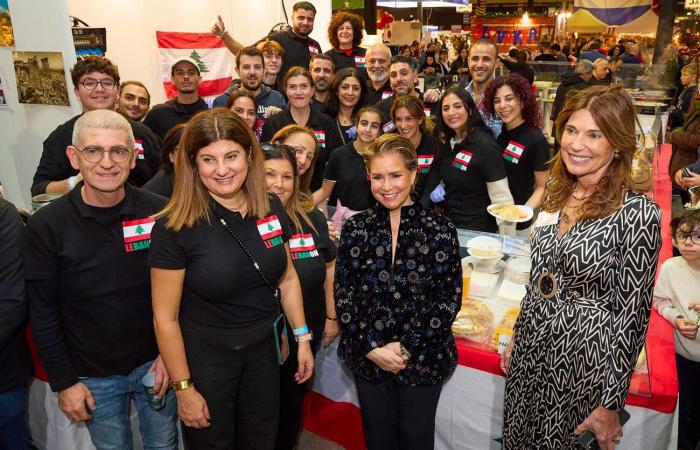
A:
(569, 82)
(15, 358)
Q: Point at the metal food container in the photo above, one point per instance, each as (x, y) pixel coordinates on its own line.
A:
(41, 200)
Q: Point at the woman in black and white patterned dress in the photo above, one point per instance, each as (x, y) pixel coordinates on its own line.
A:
(585, 315)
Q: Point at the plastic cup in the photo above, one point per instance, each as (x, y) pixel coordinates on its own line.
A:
(154, 401)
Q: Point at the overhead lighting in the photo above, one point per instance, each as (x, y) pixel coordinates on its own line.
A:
(426, 4)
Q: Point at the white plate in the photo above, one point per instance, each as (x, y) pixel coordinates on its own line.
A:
(524, 208)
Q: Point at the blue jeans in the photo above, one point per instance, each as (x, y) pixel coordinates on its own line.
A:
(13, 419)
(110, 427)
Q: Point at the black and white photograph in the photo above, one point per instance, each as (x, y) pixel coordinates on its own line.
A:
(40, 78)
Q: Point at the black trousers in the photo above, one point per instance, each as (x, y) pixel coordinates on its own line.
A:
(688, 402)
(291, 393)
(396, 417)
(241, 388)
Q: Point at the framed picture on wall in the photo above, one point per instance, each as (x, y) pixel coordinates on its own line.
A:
(41, 78)
(7, 37)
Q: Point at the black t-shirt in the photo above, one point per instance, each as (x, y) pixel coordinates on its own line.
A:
(352, 187)
(89, 287)
(374, 96)
(311, 250)
(161, 184)
(163, 117)
(427, 151)
(356, 60)
(224, 297)
(465, 170)
(324, 128)
(298, 50)
(55, 166)
(525, 151)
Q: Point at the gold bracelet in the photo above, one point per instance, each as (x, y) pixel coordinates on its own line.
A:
(182, 384)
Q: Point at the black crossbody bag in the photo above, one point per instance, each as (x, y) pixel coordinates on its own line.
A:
(279, 326)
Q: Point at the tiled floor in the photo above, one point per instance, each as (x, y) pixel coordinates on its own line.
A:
(311, 441)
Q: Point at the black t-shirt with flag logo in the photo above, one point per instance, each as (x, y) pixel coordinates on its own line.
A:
(374, 96)
(349, 172)
(323, 127)
(465, 170)
(55, 166)
(311, 249)
(224, 297)
(89, 286)
(298, 50)
(525, 150)
(355, 60)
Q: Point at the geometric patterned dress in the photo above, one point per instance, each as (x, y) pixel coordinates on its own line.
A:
(576, 351)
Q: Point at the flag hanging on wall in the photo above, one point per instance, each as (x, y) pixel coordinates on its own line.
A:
(214, 60)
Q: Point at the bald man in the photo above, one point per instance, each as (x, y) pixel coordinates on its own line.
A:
(601, 72)
(378, 88)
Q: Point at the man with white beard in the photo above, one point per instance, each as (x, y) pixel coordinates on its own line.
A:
(377, 59)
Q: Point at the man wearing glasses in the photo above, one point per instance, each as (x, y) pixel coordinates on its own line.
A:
(96, 84)
(89, 291)
(185, 77)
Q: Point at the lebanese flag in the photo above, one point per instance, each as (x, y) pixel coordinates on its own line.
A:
(138, 149)
(137, 230)
(462, 160)
(212, 56)
(302, 243)
(269, 227)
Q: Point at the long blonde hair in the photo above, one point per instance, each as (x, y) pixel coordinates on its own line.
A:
(613, 112)
(190, 200)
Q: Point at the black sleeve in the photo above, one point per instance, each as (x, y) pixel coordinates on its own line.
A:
(42, 282)
(331, 171)
(453, 67)
(277, 209)
(151, 120)
(54, 164)
(166, 251)
(433, 178)
(152, 144)
(13, 305)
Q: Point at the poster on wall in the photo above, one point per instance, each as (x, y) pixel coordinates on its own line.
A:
(3, 89)
(7, 38)
(41, 78)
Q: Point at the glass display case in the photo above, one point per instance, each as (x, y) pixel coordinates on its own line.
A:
(495, 273)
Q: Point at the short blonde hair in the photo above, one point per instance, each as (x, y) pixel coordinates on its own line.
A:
(394, 144)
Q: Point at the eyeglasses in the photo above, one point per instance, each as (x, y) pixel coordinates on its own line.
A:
(95, 154)
(682, 238)
(270, 149)
(91, 83)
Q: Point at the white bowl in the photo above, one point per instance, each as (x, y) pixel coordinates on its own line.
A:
(485, 262)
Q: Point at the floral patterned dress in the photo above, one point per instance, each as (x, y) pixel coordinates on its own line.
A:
(576, 351)
(413, 300)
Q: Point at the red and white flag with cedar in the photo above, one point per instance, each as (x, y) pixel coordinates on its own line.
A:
(214, 60)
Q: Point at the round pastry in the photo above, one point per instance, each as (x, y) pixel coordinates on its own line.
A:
(474, 320)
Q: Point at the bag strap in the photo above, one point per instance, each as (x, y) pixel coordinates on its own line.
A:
(272, 287)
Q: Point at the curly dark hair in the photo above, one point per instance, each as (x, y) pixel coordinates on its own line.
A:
(523, 92)
(474, 121)
(94, 63)
(337, 20)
